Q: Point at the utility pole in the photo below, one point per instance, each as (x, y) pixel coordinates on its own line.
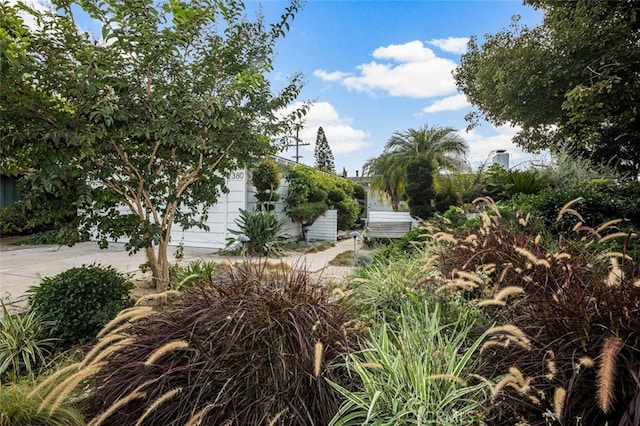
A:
(298, 144)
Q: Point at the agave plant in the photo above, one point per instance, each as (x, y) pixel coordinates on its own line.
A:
(263, 230)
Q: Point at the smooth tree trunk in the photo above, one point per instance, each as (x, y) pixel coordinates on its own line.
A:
(159, 265)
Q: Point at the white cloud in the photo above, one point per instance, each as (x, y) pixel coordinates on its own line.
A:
(342, 137)
(483, 147)
(451, 44)
(330, 76)
(450, 103)
(411, 70)
(413, 51)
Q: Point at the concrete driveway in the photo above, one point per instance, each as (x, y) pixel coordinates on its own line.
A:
(22, 267)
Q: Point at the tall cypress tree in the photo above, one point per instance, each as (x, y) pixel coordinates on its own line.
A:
(323, 154)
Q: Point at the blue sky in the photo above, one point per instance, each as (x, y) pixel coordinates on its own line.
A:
(375, 67)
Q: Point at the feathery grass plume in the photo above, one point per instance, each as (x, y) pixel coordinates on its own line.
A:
(526, 253)
(167, 347)
(507, 268)
(126, 314)
(515, 372)
(115, 407)
(370, 365)
(498, 299)
(559, 396)
(567, 208)
(484, 380)
(447, 377)
(338, 292)
(512, 333)
(107, 340)
(508, 291)
(561, 255)
(163, 295)
(158, 402)
(492, 302)
(317, 364)
(488, 267)
(524, 220)
(471, 238)
(66, 387)
(585, 362)
(197, 417)
(608, 224)
(544, 262)
(112, 349)
(508, 379)
(277, 416)
(613, 255)
(536, 241)
(458, 285)
(615, 235)
(636, 283)
(607, 372)
(431, 263)
(468, 276)
(446, 237)
(616, 274)
(54, 377)
(489, 202)
(551, 366)
(521, 384)
(489, 343)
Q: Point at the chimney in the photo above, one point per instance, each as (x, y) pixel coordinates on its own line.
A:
(501, 157)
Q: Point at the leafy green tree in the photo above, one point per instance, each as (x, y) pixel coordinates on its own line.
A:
(572, 79)
(323, 154)
(440, 144)
(150, 117)
(266, 179)
(420, 187)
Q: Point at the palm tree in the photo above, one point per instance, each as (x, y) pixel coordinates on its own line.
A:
(386, 177)
(442, 145)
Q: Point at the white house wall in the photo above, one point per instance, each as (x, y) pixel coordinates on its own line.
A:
(221, 217)
(223, 214)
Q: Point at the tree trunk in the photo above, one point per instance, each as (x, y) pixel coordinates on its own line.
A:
(159, 264)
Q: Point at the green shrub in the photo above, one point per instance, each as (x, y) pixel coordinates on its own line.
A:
(20, 407)
(599, 202)
(504, 184)
(255, 348)
(195, 273)
(311, 192)
(266, 179)
(15, 219)
(53, 237)
(264, 231)
(419, 373)
(23, 343)
(81, 301)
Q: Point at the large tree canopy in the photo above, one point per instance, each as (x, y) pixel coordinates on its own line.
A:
(148, 117)
(574, 79)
